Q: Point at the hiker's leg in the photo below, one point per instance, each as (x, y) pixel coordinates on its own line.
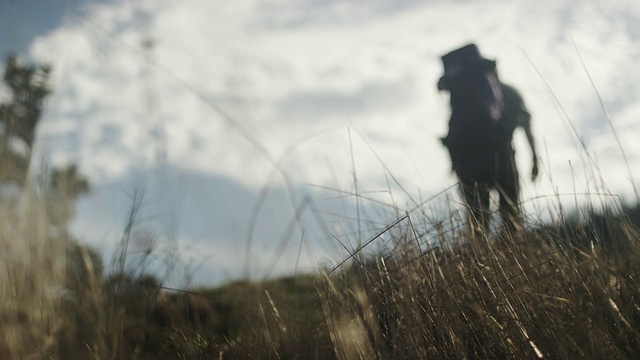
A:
(477, 198)
(484, 192)
(509, 189)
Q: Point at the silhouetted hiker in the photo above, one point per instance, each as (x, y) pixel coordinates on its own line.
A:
(484, 115)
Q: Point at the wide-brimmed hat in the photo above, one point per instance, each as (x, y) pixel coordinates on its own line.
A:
(464, 58)
(461, 59)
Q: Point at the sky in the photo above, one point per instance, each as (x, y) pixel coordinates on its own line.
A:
(247, 126)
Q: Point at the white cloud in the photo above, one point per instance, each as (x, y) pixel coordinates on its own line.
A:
(294, 76)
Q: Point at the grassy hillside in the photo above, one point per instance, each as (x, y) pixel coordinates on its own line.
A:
(563, 290)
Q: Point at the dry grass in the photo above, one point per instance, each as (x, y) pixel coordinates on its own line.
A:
(541, 295)
(32, 274)
(562, 290)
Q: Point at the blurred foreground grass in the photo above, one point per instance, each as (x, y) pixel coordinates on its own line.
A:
(568, 289)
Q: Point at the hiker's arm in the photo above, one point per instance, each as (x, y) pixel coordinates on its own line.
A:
(525, 121)
(532, 144)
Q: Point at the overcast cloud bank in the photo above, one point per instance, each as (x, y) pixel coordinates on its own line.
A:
(229, 98)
